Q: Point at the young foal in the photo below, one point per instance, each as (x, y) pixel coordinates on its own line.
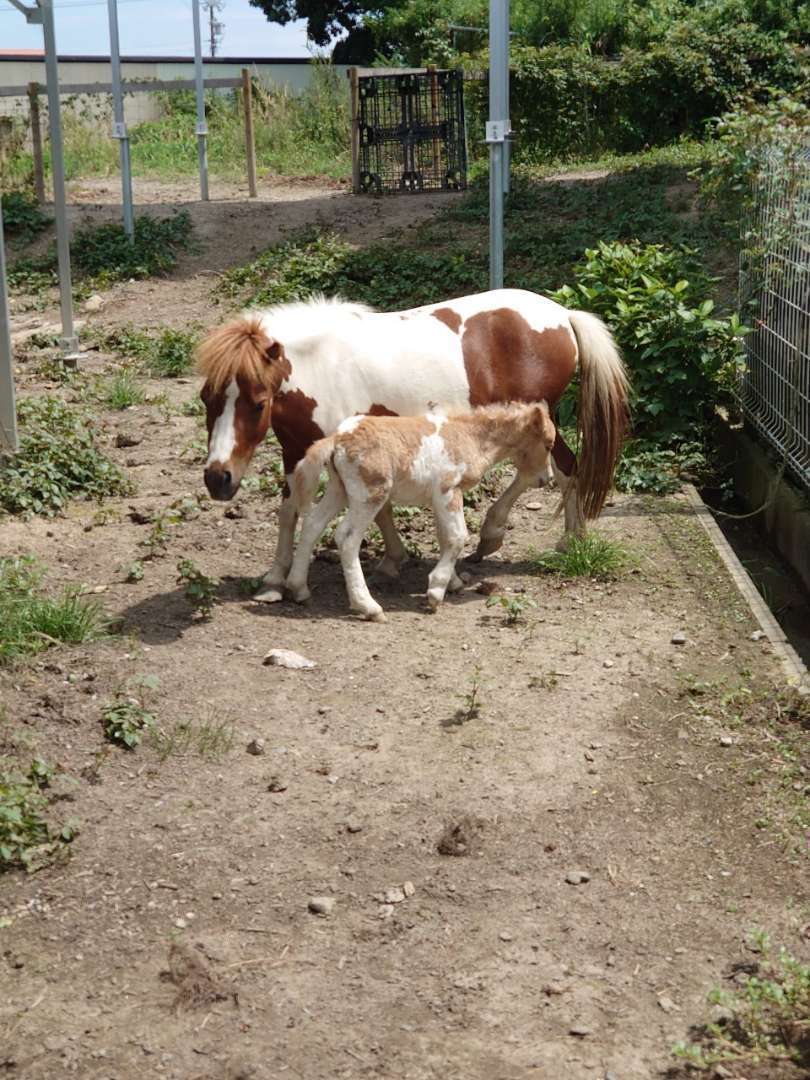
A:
(420, 460)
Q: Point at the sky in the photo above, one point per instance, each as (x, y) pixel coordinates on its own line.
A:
(152, 28)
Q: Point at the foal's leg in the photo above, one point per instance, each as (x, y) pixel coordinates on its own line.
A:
(452, 530)
(348, 537)
(314, 523)
(272, 586)
(394, 548)
(564, 465)
(494, 527)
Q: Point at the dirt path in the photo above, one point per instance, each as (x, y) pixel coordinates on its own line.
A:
(595, 757)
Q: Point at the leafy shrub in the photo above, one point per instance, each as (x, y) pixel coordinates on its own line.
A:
(661, 470)
(22, 217)
(199, 589)
(31, 622)
(165, 354)
(57, 461)
(125, 719)
(105, 252)
(680, 358)
(309, 262)
(26, 838)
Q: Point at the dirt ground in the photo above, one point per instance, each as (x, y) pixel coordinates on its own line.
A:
(614, 862)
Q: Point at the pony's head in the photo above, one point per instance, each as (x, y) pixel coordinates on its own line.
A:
(243, 369)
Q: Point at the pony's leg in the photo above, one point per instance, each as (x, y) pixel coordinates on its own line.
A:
(348, 537)
(564, 465)
(313, 525)
(452, 530)
(494, 527)
(271, 589)
(395, 552)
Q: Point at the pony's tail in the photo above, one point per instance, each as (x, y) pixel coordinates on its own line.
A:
(240, 345)
(308, 471)
(603, 410)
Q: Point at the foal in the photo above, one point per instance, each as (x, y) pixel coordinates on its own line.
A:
(416, 460)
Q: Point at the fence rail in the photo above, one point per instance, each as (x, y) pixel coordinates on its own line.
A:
(775, 296)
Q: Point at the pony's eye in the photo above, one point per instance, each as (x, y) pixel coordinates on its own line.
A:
(259, 406)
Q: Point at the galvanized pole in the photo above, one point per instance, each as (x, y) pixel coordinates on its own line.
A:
(69, 342)
(202, 126)
(496, 131)
(8, 411)
(119, 130)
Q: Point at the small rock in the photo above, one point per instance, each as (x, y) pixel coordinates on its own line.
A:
(726, 740)
(128, 438)
(321, 905)
(721, 1072)
(93, 303)
(255, 747)
(235, 512)
(667, 1004)
(678, 638)
(180, 924)
(394, 895)
(288, 659)
(580, 1030)
(276, 784)
(353, 827)
(534, 506)
(607, 663)
(408, 888)
(577, 877)
(758, 635)
(506, 936)
(386, 911)
(324, 709)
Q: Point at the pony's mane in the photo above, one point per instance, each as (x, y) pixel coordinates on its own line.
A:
(241, 347)
(501, 411)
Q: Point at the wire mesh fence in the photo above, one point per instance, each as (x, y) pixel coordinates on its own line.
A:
(411, 132)
(775, 298)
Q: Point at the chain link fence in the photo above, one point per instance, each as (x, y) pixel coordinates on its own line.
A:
(775, 301)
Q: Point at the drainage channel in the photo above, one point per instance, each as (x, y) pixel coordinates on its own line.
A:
(780, 587)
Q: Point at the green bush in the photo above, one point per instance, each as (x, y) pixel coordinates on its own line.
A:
(105, 251)
(26, 839)
(57, 461)
(22, 217)
(31, 622)
(681, 359)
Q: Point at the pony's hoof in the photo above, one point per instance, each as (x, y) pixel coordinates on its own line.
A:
(273, 595)
(301, 596)
(486, 546)
(375, 616)
(388, 568)
(434, 599)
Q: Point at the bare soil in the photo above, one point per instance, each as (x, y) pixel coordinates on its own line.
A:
(177, 940)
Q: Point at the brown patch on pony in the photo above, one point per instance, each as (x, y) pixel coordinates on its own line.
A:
(243, 348)
(450, 318)
(506, 360)
(380, 410)
(292, 422)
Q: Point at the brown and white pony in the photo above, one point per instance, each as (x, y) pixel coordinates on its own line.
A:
(426, 460)
(306, 367)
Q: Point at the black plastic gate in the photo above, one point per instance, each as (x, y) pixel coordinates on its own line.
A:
(411, 132)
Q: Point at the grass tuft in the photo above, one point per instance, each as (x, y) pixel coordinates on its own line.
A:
(121, 391)
(592, 555)
(31, 622)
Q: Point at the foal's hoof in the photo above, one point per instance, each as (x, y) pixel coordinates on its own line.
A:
(272, 595)
(375, 616)
(301, 596)
(388, 568)
(486, 546)
(434, 599)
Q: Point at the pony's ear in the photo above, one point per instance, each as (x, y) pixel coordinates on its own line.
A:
(273, 351)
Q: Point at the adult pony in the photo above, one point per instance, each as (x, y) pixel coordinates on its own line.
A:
(303, 368)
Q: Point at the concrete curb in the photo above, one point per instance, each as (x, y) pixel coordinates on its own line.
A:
(792, 664)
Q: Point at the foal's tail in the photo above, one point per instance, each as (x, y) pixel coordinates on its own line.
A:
(603, 410)
(308, 471)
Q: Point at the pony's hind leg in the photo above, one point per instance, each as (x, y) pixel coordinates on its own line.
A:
(271, 589)
(564, 465)
(452, 530)
(313, 525)
(348, 537)
(494, 527)
(395, 552)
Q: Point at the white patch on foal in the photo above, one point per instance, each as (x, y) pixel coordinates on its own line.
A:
(432, 460)
(223, 437)
(350, 423)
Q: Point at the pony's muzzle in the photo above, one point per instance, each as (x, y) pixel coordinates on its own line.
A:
(220, 483)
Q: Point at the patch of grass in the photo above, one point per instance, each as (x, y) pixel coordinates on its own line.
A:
(166, 353)
(592, 555)
(127, 718)
(122, 391)
(57, 461)
(31, 622)
(106, 254)
(199, 589)
(767, 1020)
(26, 838)
(211, 737)
(514, 607)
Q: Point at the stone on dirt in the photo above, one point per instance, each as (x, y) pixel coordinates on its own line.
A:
(93, 303)
(255, 747)
(128, 438)
(678, 638)
(580, 1030)
(577, 877)
(758, 635)
(288, 659)
(321, 905)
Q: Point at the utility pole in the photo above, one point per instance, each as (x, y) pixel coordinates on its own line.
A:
(215, 27)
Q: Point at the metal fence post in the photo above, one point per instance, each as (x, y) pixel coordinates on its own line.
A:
(354, 91)
(119, 124)
(496, 132)
(202, 126)
(250, 142)
(69, 342)
(8, 411)
(36, 142)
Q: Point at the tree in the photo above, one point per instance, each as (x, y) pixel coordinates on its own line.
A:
(326, 19)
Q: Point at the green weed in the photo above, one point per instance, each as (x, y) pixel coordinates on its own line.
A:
(22, 217)
(106, 254)
(122, 391)
(592, 555)
(513, 607)
(198, 589)
(166, 353)
(125, 719)
(57, 461)
(27, 840)
(31, 622)
(210, 737)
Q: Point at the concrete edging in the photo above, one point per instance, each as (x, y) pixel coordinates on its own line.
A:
(795, 672)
